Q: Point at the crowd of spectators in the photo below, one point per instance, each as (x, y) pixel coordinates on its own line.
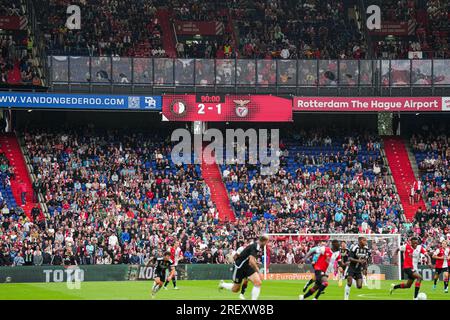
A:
(439, 27)
(281, 29)
(429, 21)
(267, 29)
(324, 185)
(431, 223)
(124, 28)
(112, 199)
(297, 29)
(192, 10)
(10, 8)
(6, 58)
(116, 197)
(16, 58)
(432, 152)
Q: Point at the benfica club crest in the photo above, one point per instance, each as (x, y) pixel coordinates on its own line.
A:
(178, 108)
(241, 108)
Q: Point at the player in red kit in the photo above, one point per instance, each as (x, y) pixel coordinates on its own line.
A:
(327, 256)
(175, 255)
(442, 256)
(412, 252)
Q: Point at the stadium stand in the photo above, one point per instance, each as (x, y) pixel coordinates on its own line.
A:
(324, 185)
(428, 29)
(432, 154)
(115, 197)
(109, 28)
(139, 194)
(263, 29)
(118, 189)
(21, 186)
(17, 62)
(303, 30)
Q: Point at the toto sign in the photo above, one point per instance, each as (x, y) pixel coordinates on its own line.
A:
(72, 275)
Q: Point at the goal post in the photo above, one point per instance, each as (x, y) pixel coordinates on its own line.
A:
(284, 251)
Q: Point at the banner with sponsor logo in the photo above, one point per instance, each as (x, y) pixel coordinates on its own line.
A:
(123, 272)
(232, 108)
(306, 271)
(394, 28)
(75, 101)
(139, 272)
(204, 28)
(13, 23)
(71, 274)
(307, 276)
(368, 104)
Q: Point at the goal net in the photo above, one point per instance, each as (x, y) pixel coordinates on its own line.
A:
(283, 256)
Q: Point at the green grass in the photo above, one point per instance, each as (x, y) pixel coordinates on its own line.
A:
(199, 290)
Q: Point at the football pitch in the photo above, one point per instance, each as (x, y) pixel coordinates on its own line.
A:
(200, 290)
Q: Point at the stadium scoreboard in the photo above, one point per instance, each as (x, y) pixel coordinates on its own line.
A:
(223, 108)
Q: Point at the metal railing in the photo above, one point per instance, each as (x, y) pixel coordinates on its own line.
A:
(168, 72)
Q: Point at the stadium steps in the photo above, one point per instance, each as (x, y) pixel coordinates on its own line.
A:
(219, 195)
(11, 148)
(402, 172)
(163, 16)
(412, 160)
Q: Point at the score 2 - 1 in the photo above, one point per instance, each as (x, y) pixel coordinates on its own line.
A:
(204, 108)
(211, 103)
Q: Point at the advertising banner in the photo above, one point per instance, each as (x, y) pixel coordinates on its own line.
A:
(231, 108)
(47, 274)
(123, 272)
(394, 28)
(205, 28)
(305, 272)
(140, 272)
(367, 104)
(76, 101)
(13, 23)
(307, 276)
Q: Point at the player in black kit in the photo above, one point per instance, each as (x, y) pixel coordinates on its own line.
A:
(162, 267)
(344, 257)
(359, 256)
(246, 266)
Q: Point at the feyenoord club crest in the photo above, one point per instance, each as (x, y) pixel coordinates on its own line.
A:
(178, 108)
(241, 108)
